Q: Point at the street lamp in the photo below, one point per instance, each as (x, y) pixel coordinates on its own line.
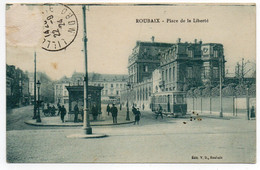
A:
(21, 95)
(86, 123)
(220, 86)
(127, 104)
(247, 103)
(38, 116)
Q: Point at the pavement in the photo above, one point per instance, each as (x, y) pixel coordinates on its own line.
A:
(106, 120)
(167, 140)
(103, 120)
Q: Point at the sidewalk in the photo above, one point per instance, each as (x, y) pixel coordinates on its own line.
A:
(216, 115)
(103, 120)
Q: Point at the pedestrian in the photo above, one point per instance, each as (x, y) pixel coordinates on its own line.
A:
(137, 116)
(48, 107)
(120, 106)
(108, 109)
(134, 109)
(94, 111)
(82, 112)
(159, 112)
(114, 112)
(76, 112)
(62, 113)
(58, 105)
(252, 112)
(143, 106)
(59, 109)
(53, 110)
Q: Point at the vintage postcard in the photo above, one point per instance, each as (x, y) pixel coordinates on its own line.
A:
(130, 83)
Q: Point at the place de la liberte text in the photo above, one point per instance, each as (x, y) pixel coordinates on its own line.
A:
(170, 20)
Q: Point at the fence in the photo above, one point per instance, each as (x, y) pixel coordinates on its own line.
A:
(232, 106)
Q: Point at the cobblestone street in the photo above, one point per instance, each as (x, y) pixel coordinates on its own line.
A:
(167, 140)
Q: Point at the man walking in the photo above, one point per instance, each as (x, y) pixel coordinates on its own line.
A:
(114, 112)
(108, 109)
(94, 111)
(62, 113)
(76, 112)
(137, 116)
(159, 112)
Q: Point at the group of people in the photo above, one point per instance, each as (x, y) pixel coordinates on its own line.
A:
(94, 112)
(52, 110)
(47, 109)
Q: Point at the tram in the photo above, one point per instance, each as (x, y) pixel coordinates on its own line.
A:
(172, 103)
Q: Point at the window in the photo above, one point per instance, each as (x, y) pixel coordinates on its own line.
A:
(206, 72)
(162, 75)
(170, 74)
(173, 73)
(146, 68)
(189, 72)
(117, 85)
(166, 75)
(112, 85)
(215, 72)
(117, 92)
(190, 53)
(215, 53)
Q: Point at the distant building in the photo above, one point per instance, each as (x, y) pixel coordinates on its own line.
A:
(17, 87)
(46, 88)
(61, 94)
(111, 84)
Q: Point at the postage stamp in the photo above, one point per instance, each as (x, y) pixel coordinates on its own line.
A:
(148, 83)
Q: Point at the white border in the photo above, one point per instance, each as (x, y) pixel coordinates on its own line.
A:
(4, 165)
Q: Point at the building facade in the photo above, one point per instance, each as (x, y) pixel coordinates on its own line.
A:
(145, 58)
(17, 87)
(186, 65)
(171, 67)
(112, 85)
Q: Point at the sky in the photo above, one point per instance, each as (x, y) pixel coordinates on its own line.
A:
(112, 33)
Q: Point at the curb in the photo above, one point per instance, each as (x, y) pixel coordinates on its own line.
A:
(74, 125)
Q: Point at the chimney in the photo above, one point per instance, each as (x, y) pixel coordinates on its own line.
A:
(152, 38)
(179, 40)
(195, 41)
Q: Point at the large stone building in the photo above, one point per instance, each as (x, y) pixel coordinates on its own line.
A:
(186, 65)
(145, 58)
(157, 67)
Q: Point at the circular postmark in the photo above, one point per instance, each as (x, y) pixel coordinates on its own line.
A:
(60, 27)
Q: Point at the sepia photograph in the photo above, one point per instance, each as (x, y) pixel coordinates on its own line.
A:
(130, 83)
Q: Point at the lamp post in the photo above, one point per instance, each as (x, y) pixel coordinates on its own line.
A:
(220, 87)
(21, 95)
(247, 103)
(34, 89)
(127, 104)
(86, 123)
(38, 120)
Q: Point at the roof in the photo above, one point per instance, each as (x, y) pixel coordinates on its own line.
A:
(81, 88)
